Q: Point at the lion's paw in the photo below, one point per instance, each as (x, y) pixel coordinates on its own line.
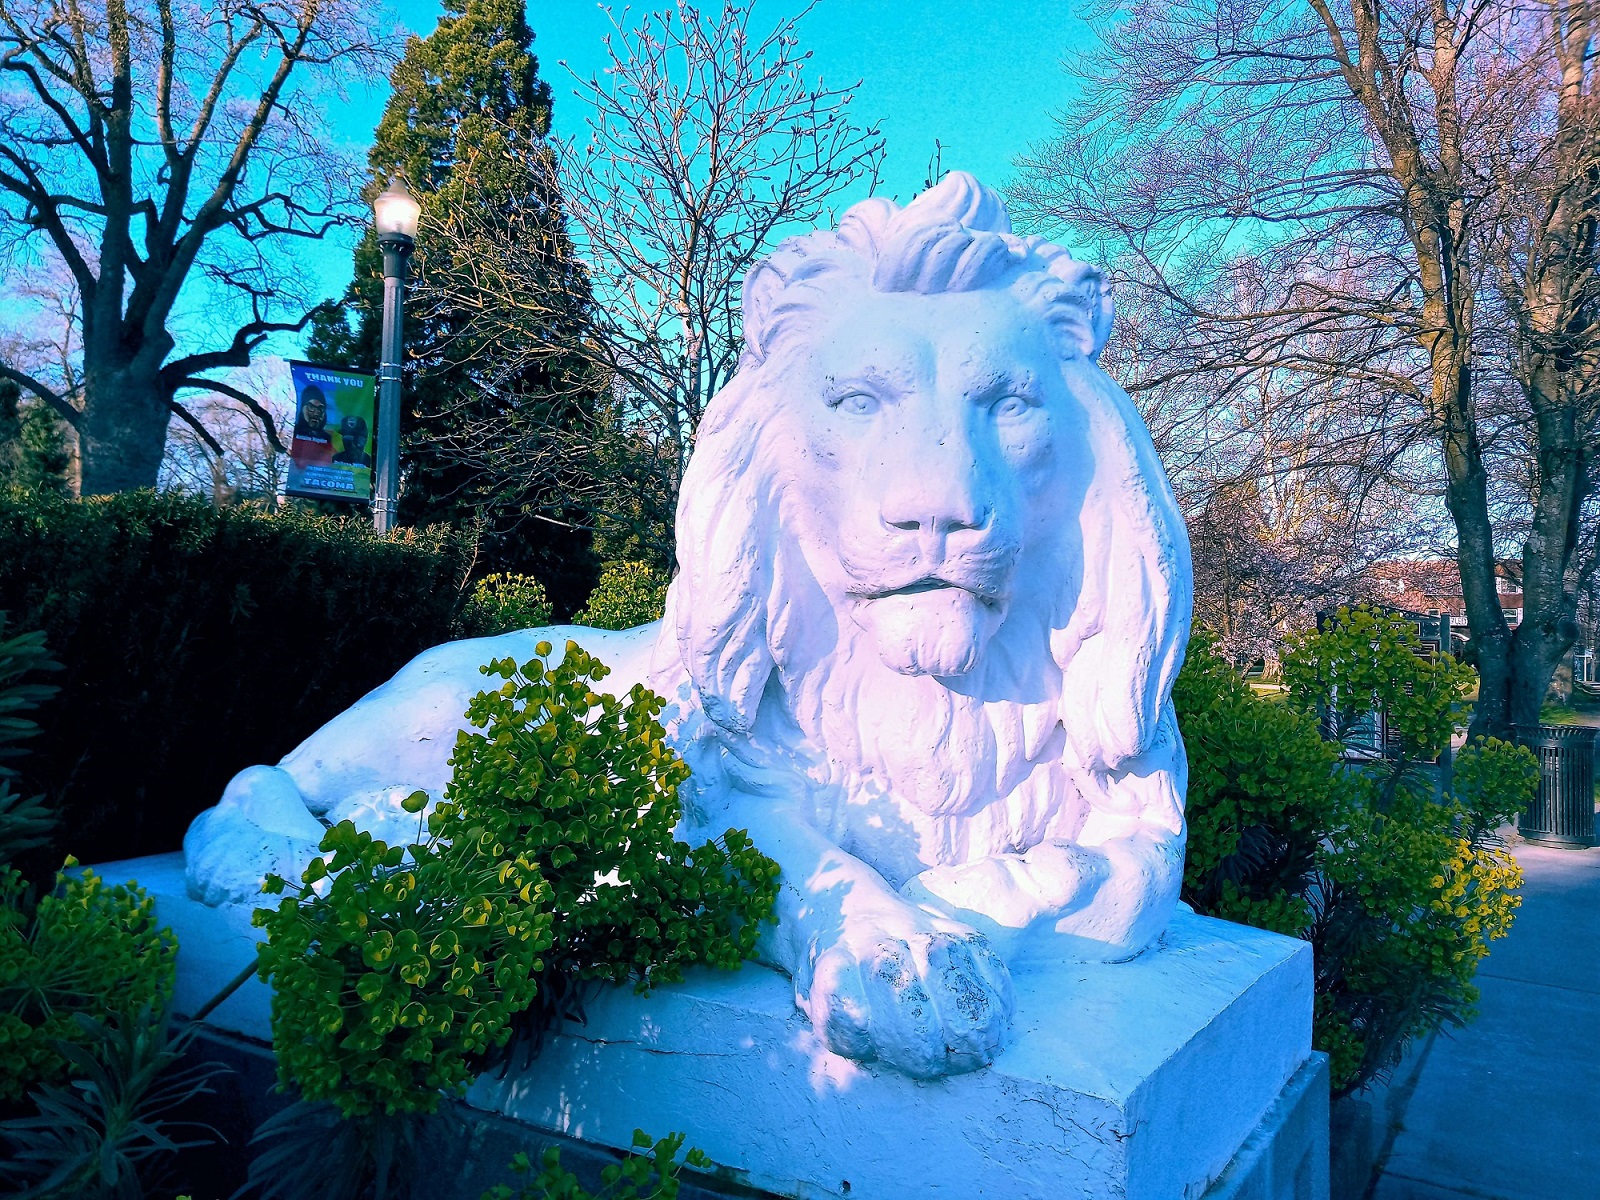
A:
(261, 826)
(928, 1001)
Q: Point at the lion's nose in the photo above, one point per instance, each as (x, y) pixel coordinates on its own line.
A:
(932, 506)
(939, 524)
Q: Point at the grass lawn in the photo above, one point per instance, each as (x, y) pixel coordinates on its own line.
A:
(1570, 714)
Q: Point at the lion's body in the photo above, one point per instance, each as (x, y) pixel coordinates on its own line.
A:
(933, 592)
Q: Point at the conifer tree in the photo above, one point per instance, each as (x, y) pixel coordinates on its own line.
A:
(34, 451)
(466, 124)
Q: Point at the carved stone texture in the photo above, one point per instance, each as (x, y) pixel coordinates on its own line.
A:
(933, 592)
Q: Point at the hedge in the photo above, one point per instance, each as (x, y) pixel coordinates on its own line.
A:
(198, 641)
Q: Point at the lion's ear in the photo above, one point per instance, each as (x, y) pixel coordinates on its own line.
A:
(762, 287)
(719, 598)
(1092, 295)
(1125, 641)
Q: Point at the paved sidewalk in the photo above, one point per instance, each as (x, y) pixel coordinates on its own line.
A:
(1509, 1107)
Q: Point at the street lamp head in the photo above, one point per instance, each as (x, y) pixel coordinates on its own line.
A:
(395, 212)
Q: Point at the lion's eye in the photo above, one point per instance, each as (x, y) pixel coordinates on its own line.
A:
(857, 404)
(1011, 406)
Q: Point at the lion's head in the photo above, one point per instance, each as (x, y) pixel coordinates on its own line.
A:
(922, 532)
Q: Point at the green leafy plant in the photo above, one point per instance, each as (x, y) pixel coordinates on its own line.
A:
(399, 972)
(1368, 661)
(95, 1138)
(85, 980)
(652, 1176)
(408, 963)
(501, 603)
(83, 949)
(628, 594)
(587, 785)
(1262, 793)
(1493, 781)
(1399, 885)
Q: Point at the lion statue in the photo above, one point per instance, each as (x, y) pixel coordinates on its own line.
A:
(933, 590)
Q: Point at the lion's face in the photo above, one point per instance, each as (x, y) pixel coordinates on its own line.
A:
(927, 435)
(925, 543)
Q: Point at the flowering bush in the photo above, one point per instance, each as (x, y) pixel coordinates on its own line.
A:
(84, 948)
(628, 594)
(1398, 885)
(501, 603)
(399, 970)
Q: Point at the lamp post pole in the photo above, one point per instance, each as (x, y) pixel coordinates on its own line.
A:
(396, 252)
(396, 213)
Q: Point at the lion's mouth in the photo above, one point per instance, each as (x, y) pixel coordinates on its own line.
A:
(932, 583)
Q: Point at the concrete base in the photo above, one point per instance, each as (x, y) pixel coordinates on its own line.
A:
(1182, 1074)
(1287, 1157)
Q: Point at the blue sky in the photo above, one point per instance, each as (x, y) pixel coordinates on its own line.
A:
(982, 79)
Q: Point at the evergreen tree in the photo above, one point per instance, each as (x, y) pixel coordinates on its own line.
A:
(34, 452)
(466, 123)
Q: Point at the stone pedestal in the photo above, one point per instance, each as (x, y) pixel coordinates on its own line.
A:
(1183, 1074)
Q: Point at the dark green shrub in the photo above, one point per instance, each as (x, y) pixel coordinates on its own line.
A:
(552, 859)
(116, 1121)
(197, 641)
(1398, 887)
(628, 594)
(652, 1176)
(1263, 791)
(502, 603)
(85, 980)
(25, 821)
(84, 951)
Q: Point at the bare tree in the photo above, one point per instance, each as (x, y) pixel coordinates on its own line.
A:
(706, 142)
(145, 144)
(1289, 491)
(249, 467)
(1316, 188)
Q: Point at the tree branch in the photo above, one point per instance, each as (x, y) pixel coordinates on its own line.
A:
(49, 395)
(249, 401)
(194, 423)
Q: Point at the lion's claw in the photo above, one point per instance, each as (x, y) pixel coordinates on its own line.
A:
(928, 1002)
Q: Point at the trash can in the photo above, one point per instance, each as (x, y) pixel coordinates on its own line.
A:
(1563, 813)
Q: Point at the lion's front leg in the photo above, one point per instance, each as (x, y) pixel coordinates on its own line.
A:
(880, 978)
(1107, 894)
(1106, 901)
(261, 826)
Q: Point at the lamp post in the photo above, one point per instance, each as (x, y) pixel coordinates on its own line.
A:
(395, 215)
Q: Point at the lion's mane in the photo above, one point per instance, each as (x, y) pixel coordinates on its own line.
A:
(1073, 686)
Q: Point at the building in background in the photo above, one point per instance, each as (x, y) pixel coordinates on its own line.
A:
(1432, 588)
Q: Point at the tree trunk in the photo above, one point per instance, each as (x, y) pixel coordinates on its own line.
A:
(1549, 594)
(123, 431)
(1467, 495)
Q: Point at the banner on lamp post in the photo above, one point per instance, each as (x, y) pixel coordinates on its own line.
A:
(330, 456)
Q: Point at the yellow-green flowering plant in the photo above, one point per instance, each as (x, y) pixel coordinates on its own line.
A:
(1399, 884)
(503, 602)
(628, 594)
(401, 971)
(83, 948)
(652, 1175)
